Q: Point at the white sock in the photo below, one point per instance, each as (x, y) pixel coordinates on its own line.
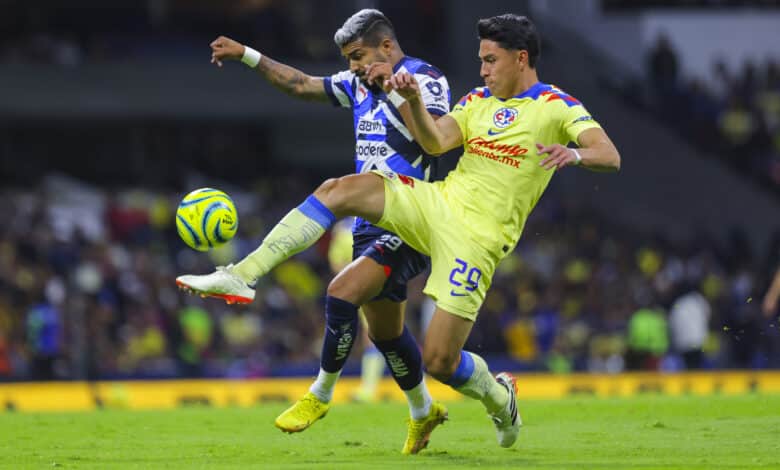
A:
(323, 387)
(419, 401)
(483, 386)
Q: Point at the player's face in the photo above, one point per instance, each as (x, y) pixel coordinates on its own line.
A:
(359, 56)
(500, 68)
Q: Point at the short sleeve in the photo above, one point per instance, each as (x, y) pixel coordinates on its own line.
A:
(435, 90)
(460, 113)
(340, 88)
(574, 120)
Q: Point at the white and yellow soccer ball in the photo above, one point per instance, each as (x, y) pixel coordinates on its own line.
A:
(206, 218)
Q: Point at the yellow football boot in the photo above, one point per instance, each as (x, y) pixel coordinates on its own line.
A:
(302, 414)
(419, 432)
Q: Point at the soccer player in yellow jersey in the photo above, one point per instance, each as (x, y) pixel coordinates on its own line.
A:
(513, 131)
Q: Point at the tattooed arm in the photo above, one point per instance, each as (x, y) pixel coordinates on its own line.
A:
(287, 79)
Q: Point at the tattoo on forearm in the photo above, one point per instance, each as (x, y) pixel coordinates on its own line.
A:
(288, 79)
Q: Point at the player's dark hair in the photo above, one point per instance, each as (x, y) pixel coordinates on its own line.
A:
(370, 25)
(512, 32)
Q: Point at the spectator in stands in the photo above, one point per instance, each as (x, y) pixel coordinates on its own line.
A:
(689, 325)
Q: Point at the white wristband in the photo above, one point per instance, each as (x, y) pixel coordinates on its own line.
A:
(396, 98)
(251, 57)
(577, 155)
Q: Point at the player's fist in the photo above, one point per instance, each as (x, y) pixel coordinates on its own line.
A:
(405, 84)
(224, 48)
(378, 73)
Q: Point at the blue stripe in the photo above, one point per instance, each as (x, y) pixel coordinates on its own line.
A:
(399, 165)
(372, 137)
(189, 229)
(326, 82)
(207, 215)
(204, 198)
(315, 210)
(464, 371)
(218, 233)
(358, 166)
(436, 111)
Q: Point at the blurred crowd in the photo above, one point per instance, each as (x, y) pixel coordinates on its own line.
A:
(87, 292)
(80, 32)
(731, 113)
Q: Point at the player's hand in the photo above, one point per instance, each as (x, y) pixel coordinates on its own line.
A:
(405, 84)
(378, 73)
(224, 48)
(558, 156)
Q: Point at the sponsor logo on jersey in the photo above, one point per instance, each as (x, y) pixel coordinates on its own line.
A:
(367, 149)
(502, 153)
(371, 126)
(504, 117)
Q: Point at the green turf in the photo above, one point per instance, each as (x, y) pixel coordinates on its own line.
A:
(646, 432)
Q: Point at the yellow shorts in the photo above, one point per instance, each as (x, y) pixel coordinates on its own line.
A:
(461, 269)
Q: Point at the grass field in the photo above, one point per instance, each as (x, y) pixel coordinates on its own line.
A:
(647, 432)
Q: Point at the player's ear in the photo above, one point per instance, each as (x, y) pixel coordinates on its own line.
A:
(386, 45)
(522, 58)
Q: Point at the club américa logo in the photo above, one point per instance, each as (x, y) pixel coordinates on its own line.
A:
(504, 117)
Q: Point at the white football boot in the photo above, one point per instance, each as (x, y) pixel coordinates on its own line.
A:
(222, 284)
(508, 419)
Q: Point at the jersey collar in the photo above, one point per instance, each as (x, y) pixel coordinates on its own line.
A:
(533, 92)
(400, 63)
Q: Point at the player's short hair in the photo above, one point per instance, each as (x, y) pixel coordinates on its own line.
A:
(512, 31)
(368, 24)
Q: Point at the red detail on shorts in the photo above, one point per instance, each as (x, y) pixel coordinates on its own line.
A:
(409, 181)
(388, 270)
(379, 248)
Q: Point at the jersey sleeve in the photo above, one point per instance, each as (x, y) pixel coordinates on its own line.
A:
(435, 90)
(574, 120)
(340, 88)
(460, 113)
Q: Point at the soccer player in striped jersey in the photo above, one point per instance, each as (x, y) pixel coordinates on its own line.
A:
(382, 263)
(514, 132)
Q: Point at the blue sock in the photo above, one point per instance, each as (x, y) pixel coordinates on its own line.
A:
(463, 372)
(403, 358)
(340, 333)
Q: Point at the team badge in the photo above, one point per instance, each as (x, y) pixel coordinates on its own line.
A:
(504, 117)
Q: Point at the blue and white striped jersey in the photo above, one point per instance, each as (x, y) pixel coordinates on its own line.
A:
(382, 141)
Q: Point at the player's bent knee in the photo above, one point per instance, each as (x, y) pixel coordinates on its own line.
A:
(341, 288)
(440, 366)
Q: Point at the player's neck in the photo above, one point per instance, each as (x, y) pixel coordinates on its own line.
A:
(528, 78)
(395, 56)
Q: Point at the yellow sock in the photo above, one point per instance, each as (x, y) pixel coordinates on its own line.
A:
(298, 230)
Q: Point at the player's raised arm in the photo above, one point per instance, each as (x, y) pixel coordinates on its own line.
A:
(287, 79)
(596, 153)
(435, 136)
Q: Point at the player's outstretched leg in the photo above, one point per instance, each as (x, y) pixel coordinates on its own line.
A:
(360, 195)
(298, 230)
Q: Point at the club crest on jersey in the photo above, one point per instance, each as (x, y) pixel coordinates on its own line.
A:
(362, 93)
(504, 117)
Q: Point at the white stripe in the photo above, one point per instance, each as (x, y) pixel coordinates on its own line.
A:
(340, 95)
(396, 123)
(417, 162)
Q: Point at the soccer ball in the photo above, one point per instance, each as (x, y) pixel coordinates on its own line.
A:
(206, 218)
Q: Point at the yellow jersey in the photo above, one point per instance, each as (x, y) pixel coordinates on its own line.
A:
(498, 180)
